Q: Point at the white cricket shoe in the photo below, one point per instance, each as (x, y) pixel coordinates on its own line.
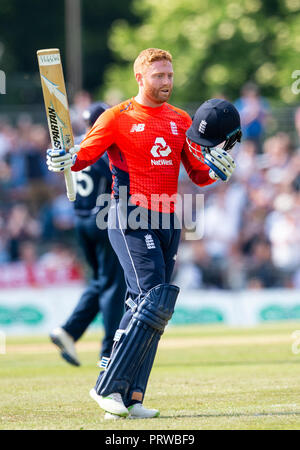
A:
(66, 344)
(112, 403)
(138, 411)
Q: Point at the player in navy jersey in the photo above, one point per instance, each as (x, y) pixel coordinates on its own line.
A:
(106, 289)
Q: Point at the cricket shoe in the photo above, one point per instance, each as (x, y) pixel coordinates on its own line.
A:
(66, 345)
(136, 411)
(112, 403)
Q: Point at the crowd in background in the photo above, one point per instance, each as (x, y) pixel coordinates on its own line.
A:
(251, 225)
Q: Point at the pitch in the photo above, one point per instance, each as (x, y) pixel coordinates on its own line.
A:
(204, 377)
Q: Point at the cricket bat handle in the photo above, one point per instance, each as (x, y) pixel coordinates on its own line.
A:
(71, 193)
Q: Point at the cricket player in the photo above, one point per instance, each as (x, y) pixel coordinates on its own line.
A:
(106, 289)
(146, 141)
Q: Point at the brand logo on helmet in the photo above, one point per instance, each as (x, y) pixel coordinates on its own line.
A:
(202, 126)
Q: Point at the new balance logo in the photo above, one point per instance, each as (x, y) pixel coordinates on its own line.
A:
(202, 126)
(137, 127)
(174, 128)
(149, 241)
(160, 148)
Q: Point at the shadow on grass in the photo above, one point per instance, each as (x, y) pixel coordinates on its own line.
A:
(226, 363)
(265, 414)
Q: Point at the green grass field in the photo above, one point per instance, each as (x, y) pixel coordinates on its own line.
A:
(204, 377)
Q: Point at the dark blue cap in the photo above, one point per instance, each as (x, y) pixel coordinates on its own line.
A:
(91, 114)
(215, 121)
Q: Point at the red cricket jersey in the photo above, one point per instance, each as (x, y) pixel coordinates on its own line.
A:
(145, 146)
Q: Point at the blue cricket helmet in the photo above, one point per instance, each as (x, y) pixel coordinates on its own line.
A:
(214, 122)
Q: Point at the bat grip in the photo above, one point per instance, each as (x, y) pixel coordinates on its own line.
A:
(71, 194)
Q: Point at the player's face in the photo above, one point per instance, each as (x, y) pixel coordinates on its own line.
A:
(157, 82)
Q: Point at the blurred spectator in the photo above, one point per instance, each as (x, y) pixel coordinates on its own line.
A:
(5, 177)
(4, 257)
(36, 170)
(222, 220)
(6, 139)
(16, 156)
(296, 279)
(293, 172)
(277, 152)
(261, 272)
(20, 227)
(254, 216)
(35, 154)
(283, 225)
(246, 161)
(25, 164)
(28, 252)
(199, 271)
(62, 213)
(253, 110)
(60, 257)
(235, 269)
(82, 101)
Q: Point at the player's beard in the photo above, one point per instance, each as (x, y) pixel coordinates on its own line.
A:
(157, 95)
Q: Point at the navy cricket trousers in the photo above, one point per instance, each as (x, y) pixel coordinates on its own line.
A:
(147, 254)
(106, 290)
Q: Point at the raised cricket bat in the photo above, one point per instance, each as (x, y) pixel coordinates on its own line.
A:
(57, 108)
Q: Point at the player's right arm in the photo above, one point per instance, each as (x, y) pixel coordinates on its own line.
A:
(94, 145)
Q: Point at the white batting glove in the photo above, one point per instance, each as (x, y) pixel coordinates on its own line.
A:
(58, 160)
(221, 164)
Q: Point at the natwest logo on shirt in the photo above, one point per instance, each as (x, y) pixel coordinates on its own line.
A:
(160, 149)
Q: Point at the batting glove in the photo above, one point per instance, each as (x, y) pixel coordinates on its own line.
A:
(58, 160)
(221, 164)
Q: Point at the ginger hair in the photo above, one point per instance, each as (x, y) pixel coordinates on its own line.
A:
(148, 56)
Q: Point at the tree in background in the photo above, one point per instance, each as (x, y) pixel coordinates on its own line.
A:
(26, 26)
(217, 47)
(97, 17)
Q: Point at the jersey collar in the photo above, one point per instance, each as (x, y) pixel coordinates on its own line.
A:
(154, 111)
